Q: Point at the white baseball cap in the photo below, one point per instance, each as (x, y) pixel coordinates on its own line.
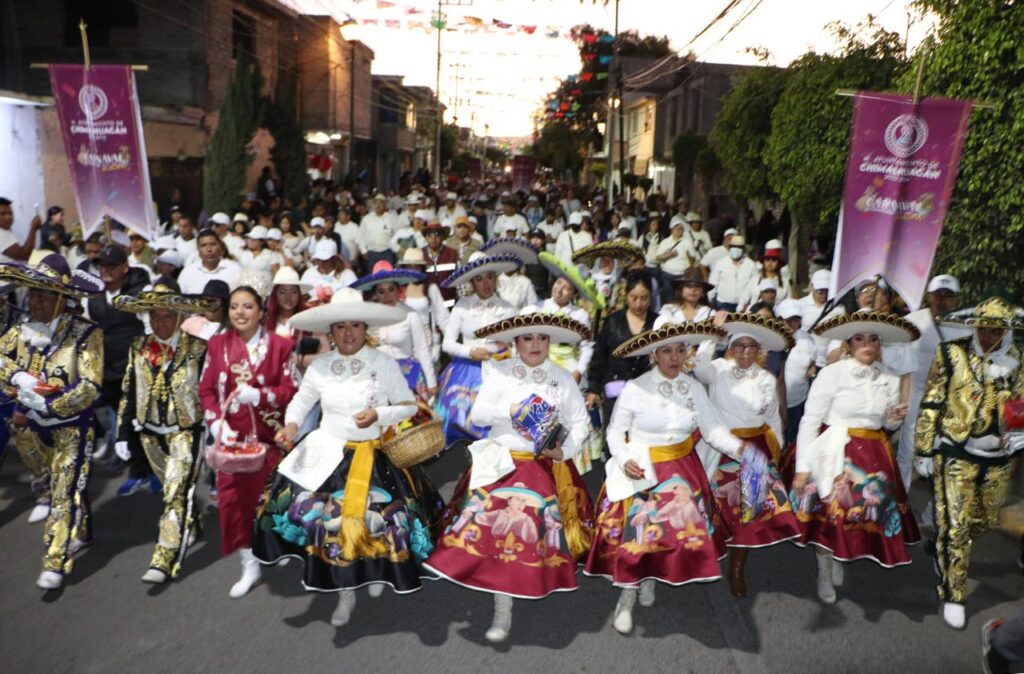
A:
(788, 309)
(275, 234)
(220, 218)
(318, 222)
(767, 284)
(414, 198)
(576, 218)
(165, 242)
(325, 249)
(172, 257)
(423, 214)
(944, 282)
(258, 232)
(821, 279)
(240, 217)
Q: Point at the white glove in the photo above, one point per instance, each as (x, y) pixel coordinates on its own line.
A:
(122, 451)
(24, 381)
(136, 425)
(1014, 441)
(32, 400)
(247, 395)
(220, 429)
(925, 466)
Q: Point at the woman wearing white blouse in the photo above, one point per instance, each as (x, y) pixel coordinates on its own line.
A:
(657, 519)
(850, 499)
(745, 394)
(690, 302)
(405, 341)
(352, 517)
(460, 381)
(518, 522)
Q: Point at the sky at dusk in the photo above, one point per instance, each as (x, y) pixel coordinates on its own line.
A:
(500, 76)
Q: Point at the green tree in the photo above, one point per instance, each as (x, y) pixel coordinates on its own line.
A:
(977, 55)
(289, 151)
(558, 147)
(228, 155)
(805, 153)
(742, 128)
(449, 142)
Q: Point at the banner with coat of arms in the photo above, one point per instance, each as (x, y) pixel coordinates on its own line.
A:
(900, 174)
(98, 109)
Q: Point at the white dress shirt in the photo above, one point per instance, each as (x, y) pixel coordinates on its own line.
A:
(656, 411)
(336, 281)
(517, 290)
(800, 358)
(714, 255)
(376, 231)
(347, 385)
(407, 237)
(745, 398)
(468, 315)
(235, 244)
(731, 279)
(408, 339)
(195, 276)
(351, 235)
(849, 394)
(501, 224)
(569, 242)
(189, 249)
(551, 230)
(585, 351)
(509, 383)
(263, 261)
(673, 313)
(752, 295)
(684, 253)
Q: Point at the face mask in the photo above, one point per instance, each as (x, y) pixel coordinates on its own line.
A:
(735, 253)
(574, 228)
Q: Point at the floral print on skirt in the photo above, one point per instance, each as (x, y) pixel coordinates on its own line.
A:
(458, 387)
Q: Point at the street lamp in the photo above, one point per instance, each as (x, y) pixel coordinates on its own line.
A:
(348, 31)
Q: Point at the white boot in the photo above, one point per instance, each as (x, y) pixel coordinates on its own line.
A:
(826, 590)
(39, 513)
(837, 573)
(376, 590)
(647, 593)
(49, 580)
(954, 615)
(623, 622)
(250, 574)
(346, 604)
(502, 619)
(154, 576)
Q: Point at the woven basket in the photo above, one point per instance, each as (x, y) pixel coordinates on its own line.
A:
(417, 444)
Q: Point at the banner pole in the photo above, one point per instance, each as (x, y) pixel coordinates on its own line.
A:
(920, 76)
(85, 43)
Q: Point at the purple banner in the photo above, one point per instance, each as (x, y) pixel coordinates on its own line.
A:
(99, 116)
(899, 177)
(524, 170)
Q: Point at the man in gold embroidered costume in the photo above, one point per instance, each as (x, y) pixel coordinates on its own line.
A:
(52, 364)
(160, 403)
(961, 442)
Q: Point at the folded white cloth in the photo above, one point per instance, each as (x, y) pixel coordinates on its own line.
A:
(313, 460)
(491, 462)
(828, 457)
(617, 485)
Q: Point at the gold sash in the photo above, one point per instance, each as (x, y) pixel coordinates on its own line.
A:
(356, 540)
(679, 450)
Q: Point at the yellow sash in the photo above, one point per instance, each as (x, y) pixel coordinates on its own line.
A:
(769, 437)
(679, 450)
(356, 540)
(576, 534)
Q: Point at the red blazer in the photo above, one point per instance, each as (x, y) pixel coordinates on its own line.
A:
(447, 262)
(271, 372)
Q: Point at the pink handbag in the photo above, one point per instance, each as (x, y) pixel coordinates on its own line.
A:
(247, 457)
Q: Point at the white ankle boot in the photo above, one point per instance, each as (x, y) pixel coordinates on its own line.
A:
(954, 615)
(502, 619)
(154, 577)
(49, 580)
(375, 590)
(623, 622)
(346, 604)
(838, 575)
(647, 593)
(250, 574)
(39, 513)
(826, 588)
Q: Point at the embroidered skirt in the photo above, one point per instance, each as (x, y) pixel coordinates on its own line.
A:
(458, 386)
(866, 515)
(414, 377)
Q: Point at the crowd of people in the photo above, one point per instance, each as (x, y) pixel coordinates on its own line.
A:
(550, 333)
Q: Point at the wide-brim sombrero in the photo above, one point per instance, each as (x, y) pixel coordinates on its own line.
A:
(512, 245)
(624, 252)
(499, 264)
(52, 274)
(586, 288)
(994, 312)
(400, 276)
(161, 297)
(347, 304)
(560, 328)
(528, 495)
(890, 328)
(771, 333)
(649, 341)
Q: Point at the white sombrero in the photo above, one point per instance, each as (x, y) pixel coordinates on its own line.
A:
(771, 333)
(666, 334)
(559, 327)
(347, 304)
(481, 264)
(890, 328)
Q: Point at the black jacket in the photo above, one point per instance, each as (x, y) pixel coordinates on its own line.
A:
(604, 367)
(119, 327)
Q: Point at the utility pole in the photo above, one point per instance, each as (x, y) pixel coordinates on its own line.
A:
(622, 105)
(439, 24)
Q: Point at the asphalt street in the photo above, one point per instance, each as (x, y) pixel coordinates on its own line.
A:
(106, 620)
